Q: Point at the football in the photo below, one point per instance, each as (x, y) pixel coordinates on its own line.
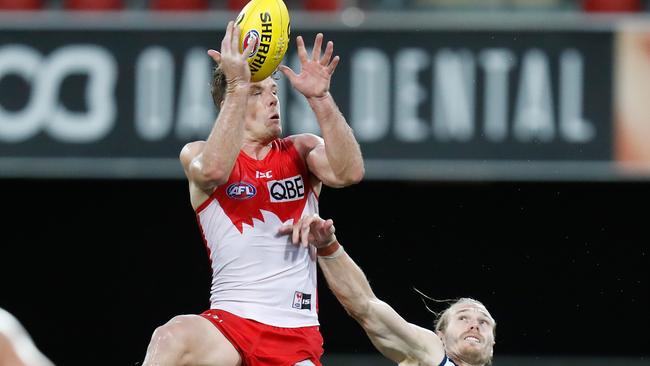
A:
(267, 24)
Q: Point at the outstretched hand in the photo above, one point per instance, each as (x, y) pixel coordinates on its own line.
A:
(233, 63)
(313, 81)
(310, 230)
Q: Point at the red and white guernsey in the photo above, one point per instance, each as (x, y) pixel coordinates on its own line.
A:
(257, 274)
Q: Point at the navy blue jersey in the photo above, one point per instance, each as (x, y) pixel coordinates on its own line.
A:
(447, 362)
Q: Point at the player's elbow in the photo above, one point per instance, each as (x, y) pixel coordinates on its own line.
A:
(214, 175)
(372, 316)
(351, 176)
(356, 174)
(359, 310)
(206, 174)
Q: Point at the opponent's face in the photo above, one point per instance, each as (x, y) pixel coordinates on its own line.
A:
(263, 110)
(469, 335)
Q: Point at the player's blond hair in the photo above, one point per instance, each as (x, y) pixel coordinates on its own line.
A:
(442, 319)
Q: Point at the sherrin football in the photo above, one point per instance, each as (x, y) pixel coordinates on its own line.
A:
(267, 24)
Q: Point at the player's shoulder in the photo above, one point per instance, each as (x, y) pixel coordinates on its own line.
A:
(447, 362)
(429, 347)
(192, 149)
(189, 152)
(305, 142)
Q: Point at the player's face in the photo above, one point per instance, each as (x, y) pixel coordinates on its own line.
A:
(263, 110)
(469, 335)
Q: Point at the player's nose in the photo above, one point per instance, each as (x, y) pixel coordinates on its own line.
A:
(273, 99)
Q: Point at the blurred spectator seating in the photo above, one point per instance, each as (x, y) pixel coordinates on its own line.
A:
(498, 5)
(236, 5)
(607, 6)
(541, 4)
(311, 5)
(181, 5)
(597, 6)
(21, 4)
(93, 5)
(322, 5)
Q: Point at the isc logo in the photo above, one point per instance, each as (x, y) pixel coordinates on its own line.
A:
(241, 191)
(290, 189)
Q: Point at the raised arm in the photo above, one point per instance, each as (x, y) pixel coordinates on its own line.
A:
(208, 164)
(393, 336)
(16, 346)
(336, 158)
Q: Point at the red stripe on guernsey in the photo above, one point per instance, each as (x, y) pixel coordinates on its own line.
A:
(203, 205)
(282, 162)
(205, 241)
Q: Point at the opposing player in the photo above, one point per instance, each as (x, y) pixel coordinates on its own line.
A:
(464, 333)
(16, 346)
(245, 181)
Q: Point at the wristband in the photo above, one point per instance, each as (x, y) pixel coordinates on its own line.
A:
(330, 251)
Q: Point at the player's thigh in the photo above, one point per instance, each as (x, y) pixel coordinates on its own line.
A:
(207, 345)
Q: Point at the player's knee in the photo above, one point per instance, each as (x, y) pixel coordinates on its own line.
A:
(173, 336)
(166, 340)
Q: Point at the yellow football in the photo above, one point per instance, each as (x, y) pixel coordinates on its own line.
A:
(267, 24)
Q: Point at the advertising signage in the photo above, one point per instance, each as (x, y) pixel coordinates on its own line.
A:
(425, 104)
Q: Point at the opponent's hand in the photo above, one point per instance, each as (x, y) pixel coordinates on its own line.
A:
(314, 78)
(233, 63)
(310, 230)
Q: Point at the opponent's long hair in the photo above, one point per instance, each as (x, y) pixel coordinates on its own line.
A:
(442, 317)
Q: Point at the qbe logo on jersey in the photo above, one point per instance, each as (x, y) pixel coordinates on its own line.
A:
(301, 301)
(290, 189)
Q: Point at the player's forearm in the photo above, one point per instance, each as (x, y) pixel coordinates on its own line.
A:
(225, 139)
(341, 147)
(16, 346)
(349, 284)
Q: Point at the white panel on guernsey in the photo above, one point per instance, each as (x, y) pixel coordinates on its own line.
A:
(305, 363)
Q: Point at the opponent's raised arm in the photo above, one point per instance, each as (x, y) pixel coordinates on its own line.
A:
(16, 346)
(336, 159)
(393, 336)
(209, 164)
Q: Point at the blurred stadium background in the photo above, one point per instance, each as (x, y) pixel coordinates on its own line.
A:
(507, 154)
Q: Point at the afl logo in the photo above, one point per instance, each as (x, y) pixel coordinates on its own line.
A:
(241, 191)
(252, 36)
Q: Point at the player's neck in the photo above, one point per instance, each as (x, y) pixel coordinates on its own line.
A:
(256, 150)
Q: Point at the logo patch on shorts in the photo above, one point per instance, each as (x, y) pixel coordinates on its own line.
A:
(301, 301)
